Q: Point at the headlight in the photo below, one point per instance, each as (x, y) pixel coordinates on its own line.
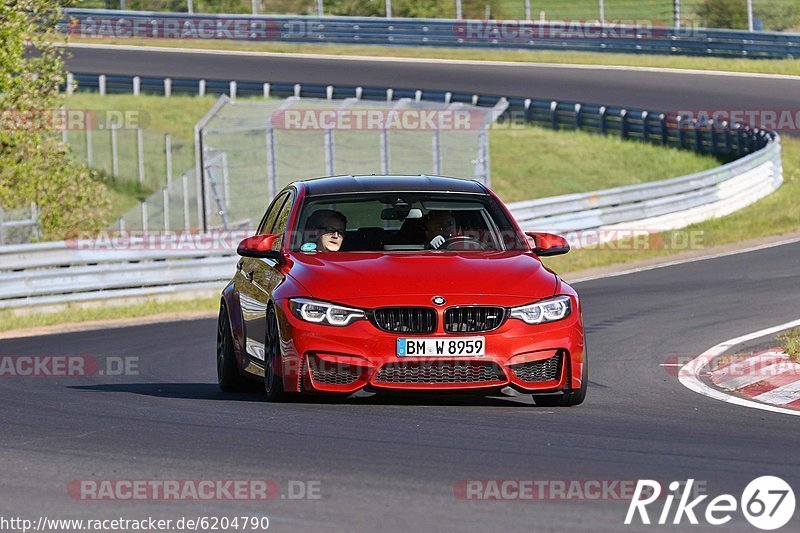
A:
(324, 312)
(548, 310)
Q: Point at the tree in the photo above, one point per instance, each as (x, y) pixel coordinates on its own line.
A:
(34, 164)
(723, 14)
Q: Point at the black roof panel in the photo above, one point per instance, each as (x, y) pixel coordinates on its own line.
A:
(377, 183)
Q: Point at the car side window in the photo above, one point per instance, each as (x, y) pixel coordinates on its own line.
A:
(272, 213)
(281, 221)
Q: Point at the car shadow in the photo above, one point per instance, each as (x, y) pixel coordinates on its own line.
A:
(209, 391)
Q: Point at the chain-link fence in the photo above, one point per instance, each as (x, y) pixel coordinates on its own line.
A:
(131, 154)
(19, 226)
(250, 150)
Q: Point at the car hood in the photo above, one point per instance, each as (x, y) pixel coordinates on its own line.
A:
(355, 277)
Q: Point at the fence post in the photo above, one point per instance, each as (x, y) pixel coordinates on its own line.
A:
(664, 129)
(101, 84)
(168, 157)
(232, 89)
(578, 122)
(384, 151)
(144, 216)
(64, 126)
(645, 129)
(137, 85)
(185, 187)
(554, 115)
(70, 83)
(437, 152)
(266, 90)
(329, 155)
(37, 228)
(603, 124)
(226, 189)
(201, 88)
(726, 128)
(272, 167)
(114, 151)
(140, 152)
(165, 197)
(681, 132)
(713, 127)
(676, 10)
(167, 86)
(624, 116)
(698, 137)
(89, 151)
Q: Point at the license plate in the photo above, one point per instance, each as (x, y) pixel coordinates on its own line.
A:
(435, 347)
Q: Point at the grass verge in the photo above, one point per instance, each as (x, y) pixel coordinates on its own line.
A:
(791, 342)
(776, 214)
(760, 66)
(24, 319)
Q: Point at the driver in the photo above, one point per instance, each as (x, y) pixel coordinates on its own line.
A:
(439, 226)
(329, 227)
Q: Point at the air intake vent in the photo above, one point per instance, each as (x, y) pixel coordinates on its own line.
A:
(440, 372)
(536, 371)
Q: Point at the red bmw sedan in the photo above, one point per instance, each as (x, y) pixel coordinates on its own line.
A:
(418, 283)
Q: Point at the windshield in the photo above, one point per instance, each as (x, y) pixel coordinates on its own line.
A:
(371, 222)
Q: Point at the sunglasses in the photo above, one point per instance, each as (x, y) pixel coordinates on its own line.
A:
(331, 229)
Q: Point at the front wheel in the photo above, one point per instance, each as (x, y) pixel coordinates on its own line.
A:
(568, 399)
(273, 381)
(228, 377)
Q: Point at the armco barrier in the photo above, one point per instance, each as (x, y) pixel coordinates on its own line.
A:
(60, 272)
(491, 34)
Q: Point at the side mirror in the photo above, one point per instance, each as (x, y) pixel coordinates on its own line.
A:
(259, 246)
(545, 244)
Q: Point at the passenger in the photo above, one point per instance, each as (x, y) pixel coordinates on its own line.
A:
(329, 227)
(439, 226)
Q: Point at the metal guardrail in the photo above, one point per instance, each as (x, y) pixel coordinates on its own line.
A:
(11, 225)
(63, 272)
(491, 34)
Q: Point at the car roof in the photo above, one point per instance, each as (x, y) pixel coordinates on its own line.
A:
(389, 183)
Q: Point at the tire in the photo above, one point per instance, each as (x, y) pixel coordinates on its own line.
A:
(228, 377)
(273, 383)
(568, 399)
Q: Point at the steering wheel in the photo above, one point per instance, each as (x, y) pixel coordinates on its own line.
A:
(462, 242)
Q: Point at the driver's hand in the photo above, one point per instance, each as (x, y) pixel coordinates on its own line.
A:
(437, 241)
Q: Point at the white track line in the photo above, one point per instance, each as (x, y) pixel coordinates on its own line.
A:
(415, 60)
(684, 261)
(688, 375)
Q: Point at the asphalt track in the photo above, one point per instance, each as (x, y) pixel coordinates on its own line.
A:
(651, 90)
(390, 464)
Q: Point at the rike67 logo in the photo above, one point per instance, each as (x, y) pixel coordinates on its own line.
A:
(767, 503)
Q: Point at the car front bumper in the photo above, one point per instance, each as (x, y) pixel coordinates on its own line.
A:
(539, 358)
